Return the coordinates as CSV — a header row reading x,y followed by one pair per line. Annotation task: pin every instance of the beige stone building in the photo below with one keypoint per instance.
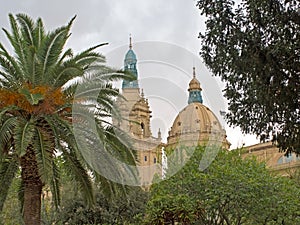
x,y
136,114
195,124
276,161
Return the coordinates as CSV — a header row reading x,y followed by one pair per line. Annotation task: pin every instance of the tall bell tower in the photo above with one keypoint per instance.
x,y
136,115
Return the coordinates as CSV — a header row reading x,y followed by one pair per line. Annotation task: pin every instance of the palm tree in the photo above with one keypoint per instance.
x,y
38,86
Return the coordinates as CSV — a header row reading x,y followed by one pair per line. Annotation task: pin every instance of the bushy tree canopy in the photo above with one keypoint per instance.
x,y
255,48
231,190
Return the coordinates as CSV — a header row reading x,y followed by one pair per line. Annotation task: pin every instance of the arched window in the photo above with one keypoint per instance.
x,y
142,127
292,157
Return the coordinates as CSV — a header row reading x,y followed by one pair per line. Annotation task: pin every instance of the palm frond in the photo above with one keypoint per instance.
x,y
44,148
79,175
7,79
8,170
21,196
10,64
100,95
39,33
120,145
16,39
69,148
55,186
23,135
112,190
89,90
62,131
99,154
107,95
103,73
64,73
6,131
67,53
26,28
88,57
51,48
76,66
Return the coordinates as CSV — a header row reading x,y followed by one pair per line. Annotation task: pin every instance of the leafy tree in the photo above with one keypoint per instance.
x,y
230,191
255,48
119,209
38,83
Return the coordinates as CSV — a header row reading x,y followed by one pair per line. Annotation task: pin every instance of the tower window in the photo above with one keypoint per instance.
x,y
142,127
154,160
145,158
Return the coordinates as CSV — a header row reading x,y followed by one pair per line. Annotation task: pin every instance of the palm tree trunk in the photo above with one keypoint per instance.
x,y
32,189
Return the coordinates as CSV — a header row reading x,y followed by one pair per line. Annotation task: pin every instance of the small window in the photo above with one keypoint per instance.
x,y
154,160
142,128
145,158
179,123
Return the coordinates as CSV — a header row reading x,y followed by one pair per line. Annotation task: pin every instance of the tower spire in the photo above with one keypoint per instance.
x,y
130,42
194,72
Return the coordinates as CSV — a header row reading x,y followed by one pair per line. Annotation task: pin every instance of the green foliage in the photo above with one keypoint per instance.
x,y
11,213
8,170
230,191
254,47
120,209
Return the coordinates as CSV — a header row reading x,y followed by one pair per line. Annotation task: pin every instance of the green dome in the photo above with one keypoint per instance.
x,y
130,66
130,56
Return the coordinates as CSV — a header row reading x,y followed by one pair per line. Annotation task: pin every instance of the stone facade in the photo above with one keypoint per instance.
x,y
195,124
276,161
136,114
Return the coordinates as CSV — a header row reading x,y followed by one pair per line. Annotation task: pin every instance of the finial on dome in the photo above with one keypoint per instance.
x,y
194,83
194,72
194,89
130,42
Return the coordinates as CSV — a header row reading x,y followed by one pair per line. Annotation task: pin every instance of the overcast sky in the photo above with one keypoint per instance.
x,y
163,31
